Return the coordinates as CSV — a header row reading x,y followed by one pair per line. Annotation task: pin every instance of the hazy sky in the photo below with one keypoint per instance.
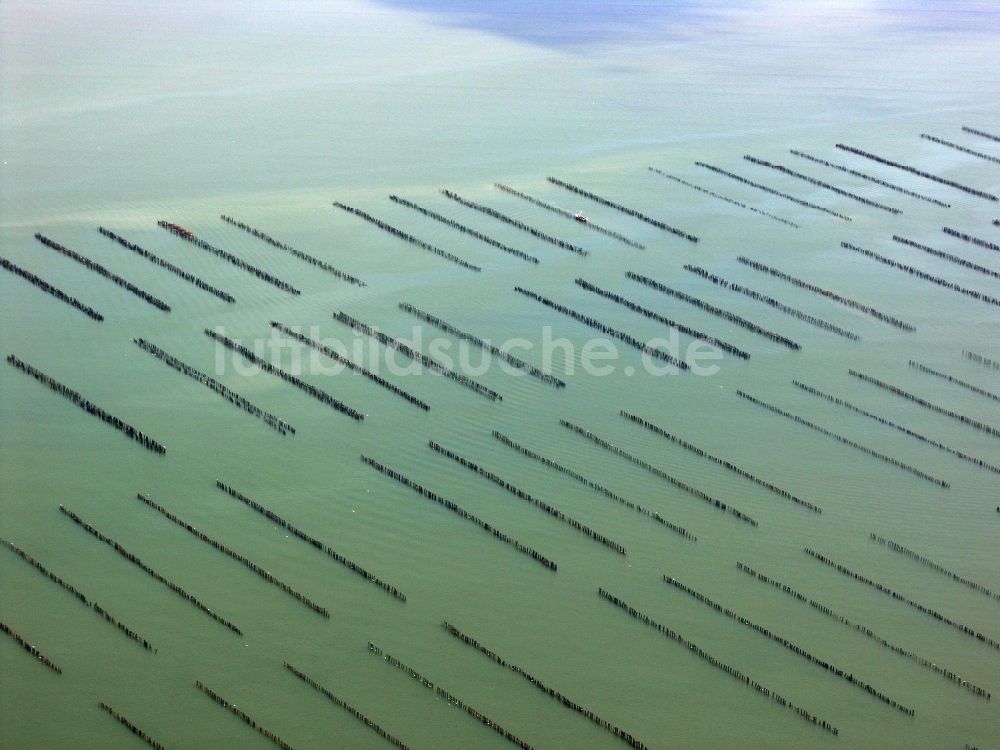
x,y
566,23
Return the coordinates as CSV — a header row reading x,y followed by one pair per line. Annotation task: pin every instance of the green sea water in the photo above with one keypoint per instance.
x,y
122,114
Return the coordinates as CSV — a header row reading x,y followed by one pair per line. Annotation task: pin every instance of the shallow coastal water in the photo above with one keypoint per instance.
x,y
124,114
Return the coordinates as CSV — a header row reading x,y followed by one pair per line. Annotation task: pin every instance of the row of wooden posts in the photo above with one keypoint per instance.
x,y
840,438
321,264
137,561
599,488
843,569
975,294
770,302
536,233
870,178
624,209
724,198
889,423
918,172
527,497
717,663
745,181
846,301
589,224
492,242
101,270
88,406
794,648
865,630
449,697
167,265
189,236
461,512
627,338
655,471
820,183
717,311
48,288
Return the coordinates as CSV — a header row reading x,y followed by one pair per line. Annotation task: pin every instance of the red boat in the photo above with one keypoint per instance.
x,y
180,230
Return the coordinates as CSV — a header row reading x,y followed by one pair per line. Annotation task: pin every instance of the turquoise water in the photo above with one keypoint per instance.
x,y
123,114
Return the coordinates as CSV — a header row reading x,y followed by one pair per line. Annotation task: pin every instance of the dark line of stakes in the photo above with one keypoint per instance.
x,y
321,546
718,664
889,423
135,560
621,734
569,215
819,183
717,311
772,191
870,178
297,253
963,149
652,315
846,301
449,697
242,559
347,707
918,172
78,595
624,209
522,495
952,379
464,229
732,201
30,648
130,726
343,360
460,512
979,359
947,256
906,552
840,438
973,240
866,631
88,406
694,491
771,302
48,288
605,329
302,385
407,237
483,344
981,133
657,430
794,648
900,598
247,719
103,271
418,357
594,486
165,264
537,233
922,274
189,236
982,426
214,385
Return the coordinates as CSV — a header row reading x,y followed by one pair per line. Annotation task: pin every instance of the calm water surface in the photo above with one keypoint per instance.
x,y
121,114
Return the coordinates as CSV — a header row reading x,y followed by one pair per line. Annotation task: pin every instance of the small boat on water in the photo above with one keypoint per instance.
x,y
178,229
581,217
